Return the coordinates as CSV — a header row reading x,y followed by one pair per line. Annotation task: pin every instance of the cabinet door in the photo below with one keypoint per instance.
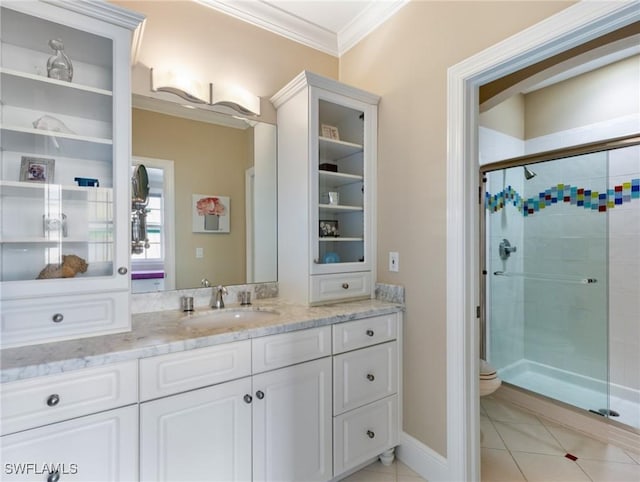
x,y
292,423
203,435
65,193
101,447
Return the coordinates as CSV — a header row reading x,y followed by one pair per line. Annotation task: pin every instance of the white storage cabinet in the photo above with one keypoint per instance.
x,y
81,425
235,426
54,131
327,140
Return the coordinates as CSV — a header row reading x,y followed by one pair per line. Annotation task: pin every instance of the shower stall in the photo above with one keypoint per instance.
x,y
561,276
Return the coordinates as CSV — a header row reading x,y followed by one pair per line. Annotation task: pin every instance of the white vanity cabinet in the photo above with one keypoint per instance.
x,y
327,141
257,410
292,436
366,387
81,425
64,179
200,430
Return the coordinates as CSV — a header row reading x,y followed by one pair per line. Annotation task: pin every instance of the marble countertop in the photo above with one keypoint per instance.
x,y
163,332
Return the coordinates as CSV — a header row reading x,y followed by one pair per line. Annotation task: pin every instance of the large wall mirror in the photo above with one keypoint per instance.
x,y
212,211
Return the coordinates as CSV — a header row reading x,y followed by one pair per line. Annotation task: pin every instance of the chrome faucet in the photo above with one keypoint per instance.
x,y
218,291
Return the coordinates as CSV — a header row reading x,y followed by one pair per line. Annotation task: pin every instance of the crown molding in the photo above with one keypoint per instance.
x,y
366,22
102,10
280,22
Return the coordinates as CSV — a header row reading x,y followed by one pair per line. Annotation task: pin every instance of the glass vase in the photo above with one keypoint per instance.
x,y
59,65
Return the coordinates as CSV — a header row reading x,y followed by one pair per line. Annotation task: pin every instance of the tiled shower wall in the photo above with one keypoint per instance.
x,y
565,320
624,275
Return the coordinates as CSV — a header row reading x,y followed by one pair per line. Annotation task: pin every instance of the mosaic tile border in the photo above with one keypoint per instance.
x,y
577,196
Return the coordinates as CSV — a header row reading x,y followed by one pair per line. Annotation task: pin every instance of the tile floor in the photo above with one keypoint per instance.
x,y
518,446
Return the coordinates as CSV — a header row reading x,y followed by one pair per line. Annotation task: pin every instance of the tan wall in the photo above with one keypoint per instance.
x,y
584,100
405,61
506,117
215,47
208,159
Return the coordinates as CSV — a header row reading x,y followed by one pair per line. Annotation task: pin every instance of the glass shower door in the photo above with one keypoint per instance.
x,y
547,277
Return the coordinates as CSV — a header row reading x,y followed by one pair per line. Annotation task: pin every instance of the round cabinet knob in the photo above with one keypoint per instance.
x,y
248,398
370,434
123,270
53,400
260,394
57,318
345,286
370,333
370,377
54,476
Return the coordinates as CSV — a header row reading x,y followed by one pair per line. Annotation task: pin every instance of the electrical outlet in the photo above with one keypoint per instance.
x,y
394,261
199,253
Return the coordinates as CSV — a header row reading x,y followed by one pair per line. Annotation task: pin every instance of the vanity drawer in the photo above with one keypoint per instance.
x,y
57,318
363,376
44,400
364,433
178,372
360,333
275,351
331,287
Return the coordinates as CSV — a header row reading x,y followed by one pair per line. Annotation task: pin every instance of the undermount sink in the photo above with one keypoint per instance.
x,y
228,317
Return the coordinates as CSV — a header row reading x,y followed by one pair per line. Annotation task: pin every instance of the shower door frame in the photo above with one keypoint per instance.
x,y
526,160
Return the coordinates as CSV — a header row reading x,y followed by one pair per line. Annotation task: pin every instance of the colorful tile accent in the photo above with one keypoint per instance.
x,y
565,193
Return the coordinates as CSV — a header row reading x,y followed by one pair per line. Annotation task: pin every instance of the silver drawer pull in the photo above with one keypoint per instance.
x,y
370,333
53,400
370,434
248,398
122,270
54,476
370,377
260,394
57,318
345,286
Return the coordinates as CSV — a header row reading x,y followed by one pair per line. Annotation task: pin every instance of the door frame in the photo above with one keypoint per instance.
x,y
573,26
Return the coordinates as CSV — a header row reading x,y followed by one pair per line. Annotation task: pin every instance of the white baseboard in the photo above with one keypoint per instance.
x,y
429,464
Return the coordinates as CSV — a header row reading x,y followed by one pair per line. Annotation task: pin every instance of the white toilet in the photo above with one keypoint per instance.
x,y
489,381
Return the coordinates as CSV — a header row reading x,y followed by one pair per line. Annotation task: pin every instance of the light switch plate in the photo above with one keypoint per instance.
x,y
394,261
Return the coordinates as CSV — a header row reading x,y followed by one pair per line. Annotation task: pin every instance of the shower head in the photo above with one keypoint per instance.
x,y
528,174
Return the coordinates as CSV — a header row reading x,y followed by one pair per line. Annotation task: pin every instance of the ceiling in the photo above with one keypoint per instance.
x,y
331,26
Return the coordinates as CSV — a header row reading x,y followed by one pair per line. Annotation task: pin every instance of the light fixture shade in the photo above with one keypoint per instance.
x,y
236,98
180,85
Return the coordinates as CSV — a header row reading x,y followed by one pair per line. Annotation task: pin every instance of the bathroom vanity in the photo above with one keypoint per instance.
x,y
308,393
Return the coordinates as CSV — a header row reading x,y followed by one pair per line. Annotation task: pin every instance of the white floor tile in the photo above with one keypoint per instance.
x,y
370,476
378,466
490,438
601,471
528,438
403,469
499,466
635,456
505,412
584,447
549,468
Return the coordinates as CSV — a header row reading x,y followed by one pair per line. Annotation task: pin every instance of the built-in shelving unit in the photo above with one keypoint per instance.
x,y
334,217
55,132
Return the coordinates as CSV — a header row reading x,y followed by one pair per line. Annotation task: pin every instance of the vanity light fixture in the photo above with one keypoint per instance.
x,y
180,85
236,98
230,96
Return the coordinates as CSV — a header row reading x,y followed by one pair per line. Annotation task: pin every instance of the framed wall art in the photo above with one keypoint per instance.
x,y
37,169
210,213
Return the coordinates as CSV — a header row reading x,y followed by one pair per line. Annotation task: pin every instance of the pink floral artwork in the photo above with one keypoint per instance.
x,y
210,205
210,213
